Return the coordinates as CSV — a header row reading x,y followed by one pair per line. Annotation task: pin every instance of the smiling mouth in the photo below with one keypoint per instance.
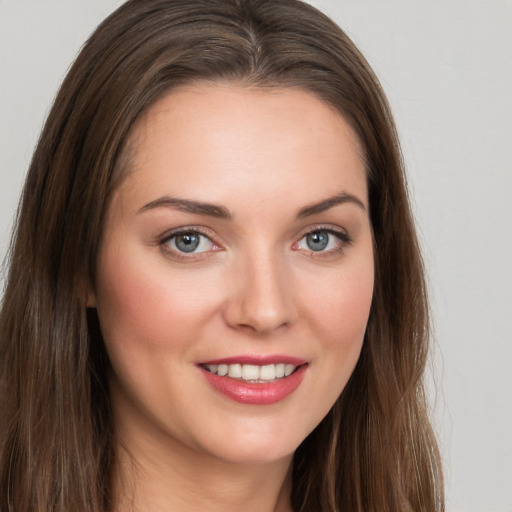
x,y
252,373
255,380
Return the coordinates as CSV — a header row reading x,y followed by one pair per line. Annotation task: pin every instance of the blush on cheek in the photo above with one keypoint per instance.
x,y
346,303
149,305
126,300
342,326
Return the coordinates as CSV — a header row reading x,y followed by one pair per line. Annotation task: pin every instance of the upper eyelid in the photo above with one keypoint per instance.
x,y
330,228
176,254
163,243
185,229
336,230
344,241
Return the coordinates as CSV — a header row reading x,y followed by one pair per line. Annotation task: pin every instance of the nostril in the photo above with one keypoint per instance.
x,y
259,315
260,300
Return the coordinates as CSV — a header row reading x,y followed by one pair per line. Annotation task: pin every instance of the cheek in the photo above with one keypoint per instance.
x,y
128,301
336,310
144,306
340,317
355,293
341,305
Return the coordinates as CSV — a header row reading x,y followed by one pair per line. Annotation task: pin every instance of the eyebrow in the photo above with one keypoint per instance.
x,y
189,206
220,212
330,202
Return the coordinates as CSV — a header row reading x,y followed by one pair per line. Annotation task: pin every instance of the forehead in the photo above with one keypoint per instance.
x,y
226,139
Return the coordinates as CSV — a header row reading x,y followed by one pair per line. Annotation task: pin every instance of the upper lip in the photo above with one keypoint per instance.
x,y
257,360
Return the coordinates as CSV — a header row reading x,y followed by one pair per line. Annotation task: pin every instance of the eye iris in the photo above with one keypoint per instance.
x,y
187,242
317,241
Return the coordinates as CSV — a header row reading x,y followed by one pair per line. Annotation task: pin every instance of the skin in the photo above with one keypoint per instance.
x,y
254,287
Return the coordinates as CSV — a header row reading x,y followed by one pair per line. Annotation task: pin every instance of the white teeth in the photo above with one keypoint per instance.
x,y
268,372
222,370
235,371
213,367
251,372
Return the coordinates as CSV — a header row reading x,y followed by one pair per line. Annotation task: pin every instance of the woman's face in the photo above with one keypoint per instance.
x,y
238,242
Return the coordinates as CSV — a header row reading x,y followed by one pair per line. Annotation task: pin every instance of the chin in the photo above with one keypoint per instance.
x,y
257,443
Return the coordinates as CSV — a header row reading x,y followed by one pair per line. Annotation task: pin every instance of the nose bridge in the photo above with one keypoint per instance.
x,y
263,298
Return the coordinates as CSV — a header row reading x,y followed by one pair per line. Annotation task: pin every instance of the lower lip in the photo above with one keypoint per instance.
x,y
254,393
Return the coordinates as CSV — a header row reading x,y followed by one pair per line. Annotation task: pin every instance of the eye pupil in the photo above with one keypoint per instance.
x,y
188,242
317,241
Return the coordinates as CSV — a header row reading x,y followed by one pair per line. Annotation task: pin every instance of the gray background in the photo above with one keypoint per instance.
x,y
447,69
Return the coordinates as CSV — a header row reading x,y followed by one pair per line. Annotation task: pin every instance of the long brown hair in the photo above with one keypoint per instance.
x,y
375,450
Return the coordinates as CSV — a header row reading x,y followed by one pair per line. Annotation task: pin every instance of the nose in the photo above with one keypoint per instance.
x,y
261,299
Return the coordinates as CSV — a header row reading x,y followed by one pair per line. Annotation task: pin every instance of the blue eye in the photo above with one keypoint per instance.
x,y
317,241
323,240
189,242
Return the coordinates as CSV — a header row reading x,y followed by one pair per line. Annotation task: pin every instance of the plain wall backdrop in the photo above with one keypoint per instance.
x,y
447,69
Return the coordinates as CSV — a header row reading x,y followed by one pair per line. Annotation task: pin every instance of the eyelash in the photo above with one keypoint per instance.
x,y
341,235
193,230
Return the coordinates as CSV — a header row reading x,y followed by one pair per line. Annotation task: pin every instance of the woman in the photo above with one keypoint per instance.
x,y
216,298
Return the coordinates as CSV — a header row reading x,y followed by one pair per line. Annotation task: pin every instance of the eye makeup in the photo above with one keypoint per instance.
x,y
193,243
